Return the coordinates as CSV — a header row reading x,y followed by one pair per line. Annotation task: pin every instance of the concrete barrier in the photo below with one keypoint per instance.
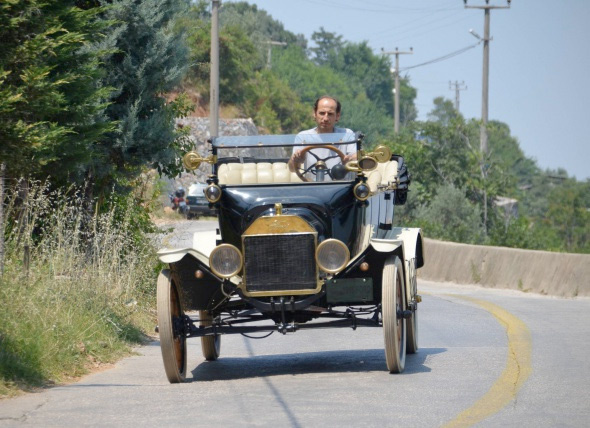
x,y
544,272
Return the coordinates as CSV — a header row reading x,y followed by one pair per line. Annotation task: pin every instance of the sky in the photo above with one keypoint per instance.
x,y
539,61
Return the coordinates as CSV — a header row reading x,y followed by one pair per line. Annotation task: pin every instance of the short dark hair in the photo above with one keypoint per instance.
x,y
317,102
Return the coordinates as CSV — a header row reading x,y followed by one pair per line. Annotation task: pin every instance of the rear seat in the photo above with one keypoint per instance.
x,y
388,172
384,174
254,173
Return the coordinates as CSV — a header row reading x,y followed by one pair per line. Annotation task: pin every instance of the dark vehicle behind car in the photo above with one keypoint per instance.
x,y
197,203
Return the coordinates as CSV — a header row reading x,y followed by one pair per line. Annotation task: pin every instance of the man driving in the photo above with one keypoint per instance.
x,y
326,113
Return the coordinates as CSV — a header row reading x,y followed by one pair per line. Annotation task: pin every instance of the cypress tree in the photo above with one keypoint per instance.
x,y
52,98
149,62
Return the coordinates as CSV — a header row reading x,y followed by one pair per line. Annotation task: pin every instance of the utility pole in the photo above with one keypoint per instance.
x,y
486,69
214,72
397,53
458,88
483,130
270,44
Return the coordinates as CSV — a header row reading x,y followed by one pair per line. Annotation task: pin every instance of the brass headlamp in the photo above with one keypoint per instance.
x,y
368,161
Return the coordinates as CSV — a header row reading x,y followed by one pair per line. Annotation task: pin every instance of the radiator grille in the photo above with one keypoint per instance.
x,y
280,262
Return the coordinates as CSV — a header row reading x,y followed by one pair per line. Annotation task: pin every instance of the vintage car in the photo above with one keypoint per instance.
x,y
304,249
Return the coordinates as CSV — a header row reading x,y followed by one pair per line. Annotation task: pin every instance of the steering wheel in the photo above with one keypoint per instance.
x,y
319,167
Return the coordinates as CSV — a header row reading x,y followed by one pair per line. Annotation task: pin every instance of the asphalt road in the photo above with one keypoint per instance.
x,y
487,357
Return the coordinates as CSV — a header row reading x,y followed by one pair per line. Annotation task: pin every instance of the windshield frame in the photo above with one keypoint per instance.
x,y
251,141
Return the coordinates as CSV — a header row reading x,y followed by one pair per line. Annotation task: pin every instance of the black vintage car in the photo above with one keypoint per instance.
x,y
312,248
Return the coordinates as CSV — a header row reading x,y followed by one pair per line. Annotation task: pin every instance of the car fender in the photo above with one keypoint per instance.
x,y
203,244
410,241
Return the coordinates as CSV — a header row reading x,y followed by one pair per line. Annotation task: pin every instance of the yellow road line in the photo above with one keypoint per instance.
x,y
517,370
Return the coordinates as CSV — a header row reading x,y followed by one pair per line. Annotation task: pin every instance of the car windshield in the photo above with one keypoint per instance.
x,y
263,159
284,140
196,189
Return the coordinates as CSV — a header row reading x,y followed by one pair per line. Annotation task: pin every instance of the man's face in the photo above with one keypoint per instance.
x,y
326,116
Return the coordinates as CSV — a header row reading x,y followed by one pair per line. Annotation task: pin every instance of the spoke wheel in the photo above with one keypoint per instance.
x,y
412,323
412,326
392,304
300,171
210,345
172,344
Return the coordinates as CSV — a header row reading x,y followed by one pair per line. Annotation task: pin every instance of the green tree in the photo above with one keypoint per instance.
x,y
569,215
52,95
452,217
367,73
443,112
150,61
327,46
238,61
260,28
275,106
407,96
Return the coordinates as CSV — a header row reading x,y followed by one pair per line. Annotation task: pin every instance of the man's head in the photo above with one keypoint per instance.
x,y
326,112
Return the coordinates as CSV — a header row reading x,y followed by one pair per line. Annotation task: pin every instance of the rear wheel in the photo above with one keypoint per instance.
x,y
210,345
172,341
393,307
412,323
412,344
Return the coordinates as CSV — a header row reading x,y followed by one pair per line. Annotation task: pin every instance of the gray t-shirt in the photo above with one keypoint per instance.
x,y
323,153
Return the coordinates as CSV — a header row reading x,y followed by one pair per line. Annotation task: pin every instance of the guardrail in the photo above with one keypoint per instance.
x,y
544,272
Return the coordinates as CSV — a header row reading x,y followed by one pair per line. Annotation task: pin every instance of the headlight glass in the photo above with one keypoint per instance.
x,y
225,260
213,193
332,255
362,191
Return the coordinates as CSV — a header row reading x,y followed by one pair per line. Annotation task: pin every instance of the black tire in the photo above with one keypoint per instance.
x,y
210,345
173,346
392,304
412,327
412,323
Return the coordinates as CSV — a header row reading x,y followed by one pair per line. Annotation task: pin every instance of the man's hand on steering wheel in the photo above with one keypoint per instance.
x,y
320,165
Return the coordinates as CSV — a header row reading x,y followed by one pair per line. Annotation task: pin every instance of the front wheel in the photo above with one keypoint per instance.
x,y
172,341
393,307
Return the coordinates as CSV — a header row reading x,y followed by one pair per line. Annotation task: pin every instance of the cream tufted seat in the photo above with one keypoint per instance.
x,y
374,180
256,173
388,172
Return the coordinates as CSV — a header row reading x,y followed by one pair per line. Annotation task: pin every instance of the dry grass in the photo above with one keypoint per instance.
x,y
77,287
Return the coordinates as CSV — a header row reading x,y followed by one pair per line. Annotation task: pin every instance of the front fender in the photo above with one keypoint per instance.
x,y
412,247
198,292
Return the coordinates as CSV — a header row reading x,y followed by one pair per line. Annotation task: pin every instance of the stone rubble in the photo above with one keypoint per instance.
x,y
199,134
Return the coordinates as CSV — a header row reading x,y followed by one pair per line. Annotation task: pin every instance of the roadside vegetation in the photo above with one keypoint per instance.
x,y
89,94
77,287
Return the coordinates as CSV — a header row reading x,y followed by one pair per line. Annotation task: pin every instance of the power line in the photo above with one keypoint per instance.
x,y
442,58
415,35
364,9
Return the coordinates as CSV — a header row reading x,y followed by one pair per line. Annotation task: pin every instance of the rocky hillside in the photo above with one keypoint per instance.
x,y
199,134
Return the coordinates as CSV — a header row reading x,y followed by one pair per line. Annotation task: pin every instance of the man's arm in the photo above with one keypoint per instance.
x,y
296,159
349,157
